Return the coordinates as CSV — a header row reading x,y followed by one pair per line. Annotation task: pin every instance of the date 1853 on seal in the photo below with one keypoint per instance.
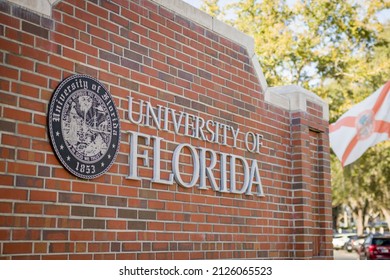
x,y
84,126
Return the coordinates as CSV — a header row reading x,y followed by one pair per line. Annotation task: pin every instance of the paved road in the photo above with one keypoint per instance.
x,y
345,255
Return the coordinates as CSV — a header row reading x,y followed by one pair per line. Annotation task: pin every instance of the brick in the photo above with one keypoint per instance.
x,y
82,211
57,185
110,6
40,247
65,7
5,234
61,247
22,168
74,22
116,224
5,7
33,79
81,235
57,210
94,199
8,126
127,213
10,73
85,16
86,48
25,90
61,40
96,10
8,98
32,131
98,32
34,53
70,198
69,223
147,215
22,234
19,115
131,246
106,212
59,173
28,208
136,225
32,105
44,171
20,62
124,22
12,221
14,194
55,235
42,222
55,257
108,77
6,207
94,224
65,31
17,248
47,23
35,29
106,189
130,64
83,69
102,44
61,62
48,71
4,85
83,187
74,55
117,201
109,56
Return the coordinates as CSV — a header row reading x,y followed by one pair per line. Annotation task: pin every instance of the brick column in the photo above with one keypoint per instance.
x,y
310,171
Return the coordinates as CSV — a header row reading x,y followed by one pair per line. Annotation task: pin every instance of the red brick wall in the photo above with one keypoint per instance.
x,y
141,49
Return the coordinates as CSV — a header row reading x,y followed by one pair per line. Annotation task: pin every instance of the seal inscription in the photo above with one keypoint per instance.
x,y
84,126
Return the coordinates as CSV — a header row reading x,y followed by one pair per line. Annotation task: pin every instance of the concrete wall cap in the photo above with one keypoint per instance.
x,y
43,7
297,98
295,89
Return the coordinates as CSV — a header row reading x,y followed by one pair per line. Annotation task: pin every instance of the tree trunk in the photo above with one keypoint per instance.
x,y
359,211
358,216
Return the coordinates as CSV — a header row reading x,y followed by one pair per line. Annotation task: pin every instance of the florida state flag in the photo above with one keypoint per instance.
x,y
363,126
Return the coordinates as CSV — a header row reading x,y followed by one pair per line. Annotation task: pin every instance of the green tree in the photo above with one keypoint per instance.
x,y
268,22
310,41
376,167
364,185
211,7
368,178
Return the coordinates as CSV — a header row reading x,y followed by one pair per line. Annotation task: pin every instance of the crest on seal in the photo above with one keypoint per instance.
x,y
84,126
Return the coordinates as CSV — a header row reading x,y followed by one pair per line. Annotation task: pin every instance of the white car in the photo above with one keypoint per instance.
x,y
339,240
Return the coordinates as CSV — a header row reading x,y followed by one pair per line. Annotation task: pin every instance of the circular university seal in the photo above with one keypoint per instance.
x,y
84,126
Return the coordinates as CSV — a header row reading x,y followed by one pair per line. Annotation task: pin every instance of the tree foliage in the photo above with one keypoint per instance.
x,y
309,41
211,7
369,177
337,49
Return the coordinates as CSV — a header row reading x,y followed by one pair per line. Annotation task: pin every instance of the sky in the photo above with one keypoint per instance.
x,y
383,16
